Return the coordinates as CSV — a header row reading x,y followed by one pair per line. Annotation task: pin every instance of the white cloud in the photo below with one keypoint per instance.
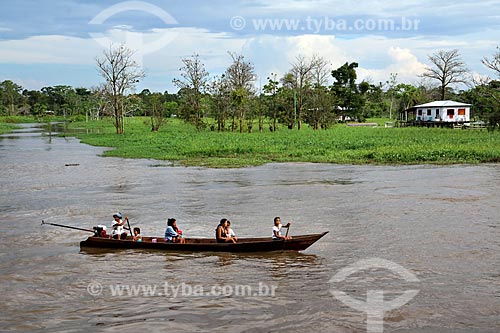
x,y
377,56
48,50
402,62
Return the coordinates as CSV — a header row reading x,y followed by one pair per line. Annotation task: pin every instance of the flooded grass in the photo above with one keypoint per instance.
x,y
177,141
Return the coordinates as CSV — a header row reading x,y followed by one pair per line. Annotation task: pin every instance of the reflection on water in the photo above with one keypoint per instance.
x,y
440,222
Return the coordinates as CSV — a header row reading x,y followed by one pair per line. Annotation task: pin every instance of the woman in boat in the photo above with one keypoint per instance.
x,y
277,229
172,234
119,227
221,232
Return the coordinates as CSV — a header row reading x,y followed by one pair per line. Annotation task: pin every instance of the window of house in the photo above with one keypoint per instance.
x,y
450,113
419,112
429,112
437,113
461,112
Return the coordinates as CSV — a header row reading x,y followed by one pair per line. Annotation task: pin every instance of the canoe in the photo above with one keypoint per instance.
x,y
263,244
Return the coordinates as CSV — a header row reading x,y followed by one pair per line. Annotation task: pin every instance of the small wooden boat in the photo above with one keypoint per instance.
x,y
263,244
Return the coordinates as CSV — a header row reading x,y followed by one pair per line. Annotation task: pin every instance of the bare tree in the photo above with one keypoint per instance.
x,y
240,76
321,100
494,63
121,73
448,69
320,72
391,84
192,88
100,101
300,77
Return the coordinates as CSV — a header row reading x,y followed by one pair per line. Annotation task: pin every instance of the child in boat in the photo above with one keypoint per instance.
x,y
230,231
221,232
119,227
171,234
137,234
277,229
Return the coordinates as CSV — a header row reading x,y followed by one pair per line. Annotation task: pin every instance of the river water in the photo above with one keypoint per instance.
x,y
431,229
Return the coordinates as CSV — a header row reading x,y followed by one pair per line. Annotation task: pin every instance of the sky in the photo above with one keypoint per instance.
x,y
56,42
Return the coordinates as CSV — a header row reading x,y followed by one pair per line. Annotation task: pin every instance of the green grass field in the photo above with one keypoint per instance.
x,y
7,124
181,143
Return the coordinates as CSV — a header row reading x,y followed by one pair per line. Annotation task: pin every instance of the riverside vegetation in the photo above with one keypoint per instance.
x,y
183,144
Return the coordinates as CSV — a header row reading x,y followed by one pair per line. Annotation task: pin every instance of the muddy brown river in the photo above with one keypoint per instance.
x,y
409,249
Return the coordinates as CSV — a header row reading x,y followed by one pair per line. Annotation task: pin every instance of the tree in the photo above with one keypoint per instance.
x,y
271,90
346,91
448,68
193,86
156,108
220,100
10,96
240,77
300,78
36,101
407,95
320,112
392,83
486,94
374,102
494,63
121,73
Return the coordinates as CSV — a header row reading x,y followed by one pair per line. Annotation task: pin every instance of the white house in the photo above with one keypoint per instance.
x,y
446,111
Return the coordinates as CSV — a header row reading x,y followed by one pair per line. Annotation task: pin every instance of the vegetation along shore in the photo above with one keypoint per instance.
x,y
183,144
228,120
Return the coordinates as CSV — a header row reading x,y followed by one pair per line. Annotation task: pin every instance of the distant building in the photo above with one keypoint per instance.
x,y
441,111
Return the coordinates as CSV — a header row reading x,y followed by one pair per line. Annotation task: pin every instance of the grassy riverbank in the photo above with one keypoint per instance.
x,y
181,143
8,124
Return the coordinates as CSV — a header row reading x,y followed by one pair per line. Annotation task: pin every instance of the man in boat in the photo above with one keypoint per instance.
x,y
277,229
119,227
221,232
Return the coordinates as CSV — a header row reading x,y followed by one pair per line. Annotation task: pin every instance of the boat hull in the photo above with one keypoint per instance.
x,y
297,243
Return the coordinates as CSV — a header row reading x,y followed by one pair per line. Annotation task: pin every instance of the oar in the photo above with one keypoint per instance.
x,y
129,228
287,229
66,226
286,235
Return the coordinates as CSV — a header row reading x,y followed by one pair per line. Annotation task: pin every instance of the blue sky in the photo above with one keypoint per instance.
x,y
46,43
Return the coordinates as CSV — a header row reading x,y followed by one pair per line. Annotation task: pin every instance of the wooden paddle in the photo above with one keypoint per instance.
x,y
286,235
129,228
287,229
67,226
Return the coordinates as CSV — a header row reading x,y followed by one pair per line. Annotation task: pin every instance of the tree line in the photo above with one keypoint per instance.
x,y
311,92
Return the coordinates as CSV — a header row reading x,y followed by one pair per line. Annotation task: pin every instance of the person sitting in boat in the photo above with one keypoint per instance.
x,y
172,232
137,234
221,232
119,227
230,231
277,229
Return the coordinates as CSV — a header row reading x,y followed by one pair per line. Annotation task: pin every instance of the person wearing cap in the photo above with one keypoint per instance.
x,y
119,227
